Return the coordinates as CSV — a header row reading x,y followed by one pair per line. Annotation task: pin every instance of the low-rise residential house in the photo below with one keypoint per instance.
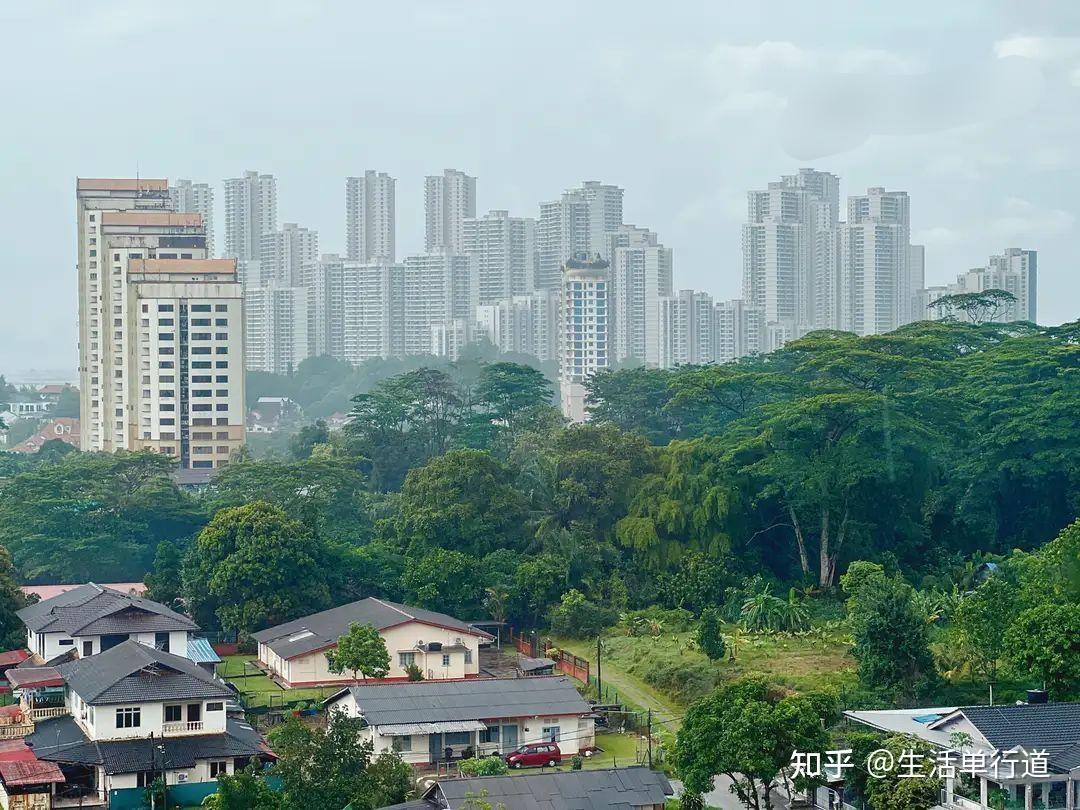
x,y
62,428
91,618
132,714
1021,755
425,720
634,788
440,646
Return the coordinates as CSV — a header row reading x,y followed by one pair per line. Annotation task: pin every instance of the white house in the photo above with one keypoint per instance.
x,y
1027,753
421,720
92,618
132,714
442,647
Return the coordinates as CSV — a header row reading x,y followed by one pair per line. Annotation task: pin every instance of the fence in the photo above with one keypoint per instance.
x,y
534,646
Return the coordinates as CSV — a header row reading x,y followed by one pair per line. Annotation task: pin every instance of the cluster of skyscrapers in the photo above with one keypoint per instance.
x,y
575,286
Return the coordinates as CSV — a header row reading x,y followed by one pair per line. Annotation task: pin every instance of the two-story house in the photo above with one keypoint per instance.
x,y
440,646
92,618
134,714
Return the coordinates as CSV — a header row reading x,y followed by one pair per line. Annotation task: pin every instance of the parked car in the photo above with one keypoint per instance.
x,y
535,755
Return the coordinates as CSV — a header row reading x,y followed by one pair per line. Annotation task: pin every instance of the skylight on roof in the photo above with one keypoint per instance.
x,y
300,635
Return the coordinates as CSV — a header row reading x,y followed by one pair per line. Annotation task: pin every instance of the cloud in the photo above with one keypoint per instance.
x,y
1043,49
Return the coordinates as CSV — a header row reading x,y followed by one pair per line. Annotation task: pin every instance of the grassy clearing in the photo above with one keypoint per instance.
x,y
667,673
259,690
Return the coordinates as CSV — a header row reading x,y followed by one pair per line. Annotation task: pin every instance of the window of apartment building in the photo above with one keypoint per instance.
x,y
93,217
167,420
203,465
222,392
165,308
168,437
165,321
222,378
201,378
221,350
165,335
221,322
165,364
221,364
223,420
201,364
202,392
200,307
201,407
221,336
146,392
129,717
222,406
223,449
202,436
166,393
174,714
221,307
222,434
200,335
202,422
200,350
202,450
167,406
167,378
168,450
200,321
165,350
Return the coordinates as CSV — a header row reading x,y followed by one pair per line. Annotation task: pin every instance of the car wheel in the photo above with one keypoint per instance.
x,y
551,763
517,764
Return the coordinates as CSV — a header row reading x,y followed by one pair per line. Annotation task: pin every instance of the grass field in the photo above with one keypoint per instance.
x,y
258,689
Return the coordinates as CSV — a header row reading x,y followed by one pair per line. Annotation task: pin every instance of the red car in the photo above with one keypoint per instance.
x,y
535,755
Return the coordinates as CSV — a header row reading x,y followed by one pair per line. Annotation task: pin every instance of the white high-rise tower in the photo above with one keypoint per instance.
x,y
370,217
187,197
449,200
250,211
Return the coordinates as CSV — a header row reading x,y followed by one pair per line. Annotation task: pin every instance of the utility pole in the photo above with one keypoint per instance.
x,y
649,732
599,682
153,797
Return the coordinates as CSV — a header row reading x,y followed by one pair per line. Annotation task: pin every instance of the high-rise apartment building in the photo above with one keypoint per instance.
x,y
438,287
250,212
449,338
370,217
186,197
686,329
781,247
578,223
1015,271
740,330
524,324
449,200
640,274
283,255
276,324
875,283
104,387
504,251
185,359
584,331
373,313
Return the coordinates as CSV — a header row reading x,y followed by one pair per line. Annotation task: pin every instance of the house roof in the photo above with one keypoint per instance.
x,y
131,673
476,699
1065,760
1049,726
11,657
560,790
61,740
91,610
201,651
34,677
322,630
30,772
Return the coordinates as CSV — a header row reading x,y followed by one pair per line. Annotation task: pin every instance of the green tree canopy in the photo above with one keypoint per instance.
x,y
361,650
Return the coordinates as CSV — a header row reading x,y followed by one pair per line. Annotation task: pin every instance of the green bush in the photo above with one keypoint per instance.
x,y
484,766
577,617
709,636
653,621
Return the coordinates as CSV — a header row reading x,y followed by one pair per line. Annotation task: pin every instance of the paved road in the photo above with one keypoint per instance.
x,y
722,797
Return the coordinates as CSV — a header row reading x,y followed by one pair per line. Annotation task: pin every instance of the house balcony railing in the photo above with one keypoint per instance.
x,y
183,727
13,731
44,712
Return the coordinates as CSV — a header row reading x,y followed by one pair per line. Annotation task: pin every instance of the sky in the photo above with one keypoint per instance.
x,y
971,107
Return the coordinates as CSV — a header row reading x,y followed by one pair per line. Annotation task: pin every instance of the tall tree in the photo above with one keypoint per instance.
x,y
446,580
361,650
747,732
983,617
253,566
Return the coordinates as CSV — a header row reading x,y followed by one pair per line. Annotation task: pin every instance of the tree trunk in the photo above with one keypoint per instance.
x,y
826,568
800,541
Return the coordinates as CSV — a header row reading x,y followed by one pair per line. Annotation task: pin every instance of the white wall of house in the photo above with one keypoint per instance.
x,y
50,645
102,722
400,643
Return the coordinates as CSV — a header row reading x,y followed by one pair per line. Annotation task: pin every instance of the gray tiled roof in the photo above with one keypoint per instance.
x,y
560,790
1049,726
131,672
92,610
327,627
475,699
61,740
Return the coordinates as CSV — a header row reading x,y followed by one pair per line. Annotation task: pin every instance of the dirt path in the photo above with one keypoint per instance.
x,y
666,714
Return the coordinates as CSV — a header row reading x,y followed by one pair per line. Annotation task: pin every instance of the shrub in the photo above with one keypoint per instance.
x,y
484,766
576,762
654,621
709,637
414,673
577,617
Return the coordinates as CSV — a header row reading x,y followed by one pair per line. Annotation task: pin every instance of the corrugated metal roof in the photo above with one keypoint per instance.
x,y
201,651
407,729
599,789
476,699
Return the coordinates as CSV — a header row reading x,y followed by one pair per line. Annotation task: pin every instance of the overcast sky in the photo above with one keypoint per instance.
x,y
971,107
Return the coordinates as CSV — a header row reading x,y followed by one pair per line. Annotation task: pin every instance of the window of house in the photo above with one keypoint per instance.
x,y
174,714
468,656
446,660
402,743
65,642
129,717
216,706
490,735
87,649
218,767
161,640
406,659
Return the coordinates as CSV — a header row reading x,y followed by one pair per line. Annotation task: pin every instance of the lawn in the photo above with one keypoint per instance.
x,y
259,690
